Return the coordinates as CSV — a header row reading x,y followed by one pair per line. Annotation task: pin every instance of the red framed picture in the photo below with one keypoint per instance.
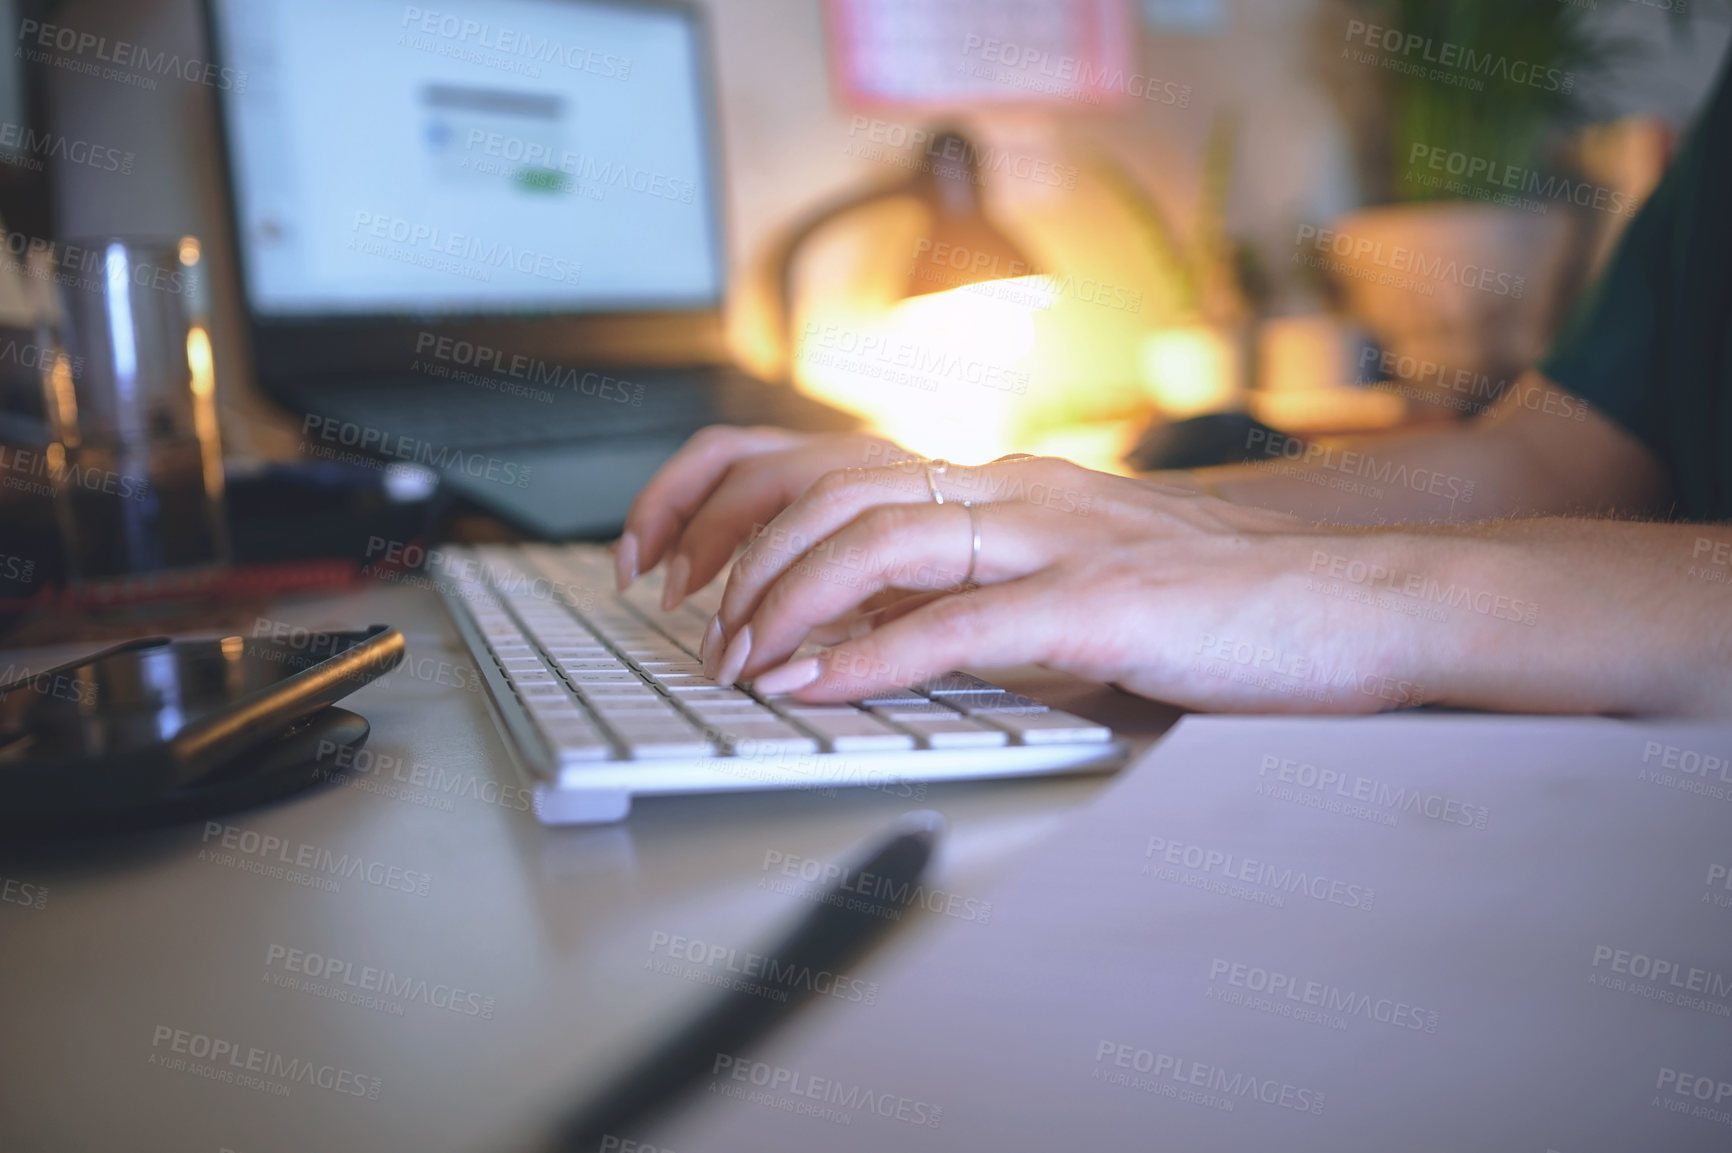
x,y
930,54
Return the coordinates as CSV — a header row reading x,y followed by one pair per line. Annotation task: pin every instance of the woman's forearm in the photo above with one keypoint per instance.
x,y
1540,452
1459,474
1556,615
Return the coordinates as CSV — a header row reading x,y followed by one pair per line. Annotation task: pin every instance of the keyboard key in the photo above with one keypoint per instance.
x,y
600,677
856,733
959,733
643,742
553,692
703,690
636,720
890,697
669,680
567,712
974,704
548,708
1050,728
958,683
917,710
579,746
756,738
637,724
608,698
619,692
719,698
646,701
614,714
731,712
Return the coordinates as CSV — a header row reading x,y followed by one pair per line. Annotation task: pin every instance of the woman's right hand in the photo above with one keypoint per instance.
x,y
722,484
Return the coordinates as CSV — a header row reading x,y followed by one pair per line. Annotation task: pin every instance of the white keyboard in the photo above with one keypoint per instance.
x,y
601,697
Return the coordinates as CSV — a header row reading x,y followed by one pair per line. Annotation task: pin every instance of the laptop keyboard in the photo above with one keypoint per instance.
x,y
474,417
605,678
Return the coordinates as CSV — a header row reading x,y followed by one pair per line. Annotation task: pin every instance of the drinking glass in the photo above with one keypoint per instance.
x,y
135,456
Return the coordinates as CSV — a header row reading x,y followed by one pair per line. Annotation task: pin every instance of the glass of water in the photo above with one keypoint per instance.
x,y
130,392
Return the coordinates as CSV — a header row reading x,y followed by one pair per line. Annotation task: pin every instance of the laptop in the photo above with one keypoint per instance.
x,y
485,238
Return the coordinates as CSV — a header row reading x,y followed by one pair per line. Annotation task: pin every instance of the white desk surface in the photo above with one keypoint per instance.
x,y
1417,933
142,954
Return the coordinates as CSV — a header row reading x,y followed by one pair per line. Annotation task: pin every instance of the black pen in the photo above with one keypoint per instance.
x,y
862,903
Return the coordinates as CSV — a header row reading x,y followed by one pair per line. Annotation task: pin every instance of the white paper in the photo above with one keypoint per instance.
x,y
1400,933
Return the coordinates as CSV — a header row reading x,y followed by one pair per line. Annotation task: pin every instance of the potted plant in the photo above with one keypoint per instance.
x,y
1457,109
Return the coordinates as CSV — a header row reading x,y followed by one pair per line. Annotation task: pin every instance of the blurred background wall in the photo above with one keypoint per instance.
x,y
789,144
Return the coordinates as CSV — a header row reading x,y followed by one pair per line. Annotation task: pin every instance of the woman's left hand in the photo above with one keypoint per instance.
x,y
1166,592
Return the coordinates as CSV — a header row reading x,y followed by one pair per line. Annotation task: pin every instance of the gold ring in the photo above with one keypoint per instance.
x,y
933,471
974,532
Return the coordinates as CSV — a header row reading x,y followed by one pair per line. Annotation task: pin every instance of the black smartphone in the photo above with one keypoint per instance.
x,y
154,718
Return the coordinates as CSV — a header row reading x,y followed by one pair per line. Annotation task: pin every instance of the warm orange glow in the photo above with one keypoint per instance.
x,y
204,413
65,400
1306,365
1100,445
1191,370
945,374
1340,409
198,358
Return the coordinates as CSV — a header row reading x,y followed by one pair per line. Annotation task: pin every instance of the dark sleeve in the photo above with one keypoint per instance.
x,y
1645,344
1604,351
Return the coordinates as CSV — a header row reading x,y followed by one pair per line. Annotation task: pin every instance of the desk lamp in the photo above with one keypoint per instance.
x,y
965,246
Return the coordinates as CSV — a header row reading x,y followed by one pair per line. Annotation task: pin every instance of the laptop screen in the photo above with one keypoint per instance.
x,y
468,157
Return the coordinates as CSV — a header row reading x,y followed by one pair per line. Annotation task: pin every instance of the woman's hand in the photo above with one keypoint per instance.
x,y
1166,592
722,485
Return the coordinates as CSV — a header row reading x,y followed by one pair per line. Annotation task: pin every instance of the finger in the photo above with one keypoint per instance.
x,y
918,548
831,502
679,487
1049,483
750,493
892,610
873,612
1019,622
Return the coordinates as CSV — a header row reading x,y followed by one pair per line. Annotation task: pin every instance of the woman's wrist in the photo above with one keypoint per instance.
x,y
1478,618
1376,588
1184,479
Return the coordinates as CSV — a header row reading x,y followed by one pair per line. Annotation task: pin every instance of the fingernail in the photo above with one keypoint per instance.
x,y
708,652
674,588
625,561
735,658
790,677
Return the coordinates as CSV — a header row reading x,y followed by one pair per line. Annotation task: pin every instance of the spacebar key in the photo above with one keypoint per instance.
x,y
661,741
